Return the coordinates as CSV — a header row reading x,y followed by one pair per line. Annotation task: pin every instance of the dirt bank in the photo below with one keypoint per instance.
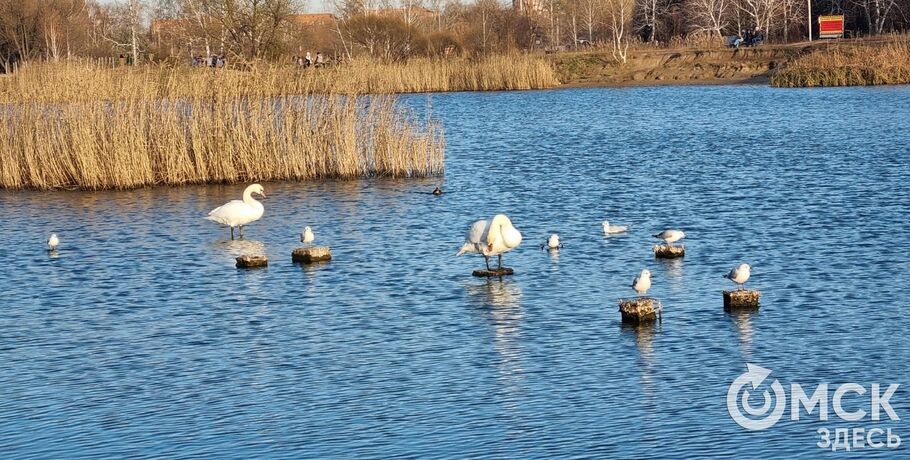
x,y
659,66
681,66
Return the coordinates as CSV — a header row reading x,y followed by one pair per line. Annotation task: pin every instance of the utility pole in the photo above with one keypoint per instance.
x,y
810,19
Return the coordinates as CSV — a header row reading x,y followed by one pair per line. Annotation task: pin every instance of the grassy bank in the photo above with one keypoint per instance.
x,y
850,64
72,126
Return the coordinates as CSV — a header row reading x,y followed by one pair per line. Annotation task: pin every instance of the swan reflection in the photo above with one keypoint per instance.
x,y
499,302
237,248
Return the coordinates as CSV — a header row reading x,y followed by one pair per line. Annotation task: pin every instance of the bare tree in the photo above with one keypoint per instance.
x,y
619,13
708,15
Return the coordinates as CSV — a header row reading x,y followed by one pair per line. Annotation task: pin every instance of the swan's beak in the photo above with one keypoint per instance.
x,y
263,194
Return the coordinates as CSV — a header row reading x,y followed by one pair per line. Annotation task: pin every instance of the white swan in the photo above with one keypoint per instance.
x,y
642,282
740,275
491,238
670,236
614,229
238,213
53,242
307,236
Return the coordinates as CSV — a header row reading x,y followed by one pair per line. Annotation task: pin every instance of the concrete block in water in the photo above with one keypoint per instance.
x,y
640,310
252,261
662,251
741,298
496,272
311,254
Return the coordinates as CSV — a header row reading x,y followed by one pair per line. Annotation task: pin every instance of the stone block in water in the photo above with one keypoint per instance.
x,y
640,310
311,255
663,251
252,261
741,298
496,272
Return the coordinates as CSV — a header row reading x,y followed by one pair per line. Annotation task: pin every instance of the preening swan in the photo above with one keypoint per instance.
x,y
670,236
238,213
740,275
307,236
491,238
53,242
614,229
642,282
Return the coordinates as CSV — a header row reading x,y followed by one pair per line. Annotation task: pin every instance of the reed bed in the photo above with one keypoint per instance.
x,y
77,126
83,82
850,65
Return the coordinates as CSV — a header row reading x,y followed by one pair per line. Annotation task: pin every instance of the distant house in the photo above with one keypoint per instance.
x,y
313,19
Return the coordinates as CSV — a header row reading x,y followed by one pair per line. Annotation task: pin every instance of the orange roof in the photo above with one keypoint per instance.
x,y
312,19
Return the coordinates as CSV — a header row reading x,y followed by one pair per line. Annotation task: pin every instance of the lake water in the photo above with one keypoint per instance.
x,y
140,338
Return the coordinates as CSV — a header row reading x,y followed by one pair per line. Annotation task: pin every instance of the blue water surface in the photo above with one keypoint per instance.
x,y
139,337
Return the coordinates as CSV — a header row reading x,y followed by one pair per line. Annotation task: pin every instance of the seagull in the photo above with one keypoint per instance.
x,y
552,243
307,236
614,229
740,275
53,242
642,282
238,213
670,236
491,238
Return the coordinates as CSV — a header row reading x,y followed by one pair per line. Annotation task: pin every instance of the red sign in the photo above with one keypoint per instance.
x,y
831,26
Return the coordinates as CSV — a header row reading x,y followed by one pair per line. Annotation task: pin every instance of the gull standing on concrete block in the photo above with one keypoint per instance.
x,y
307,236
642,282
670,236
740,275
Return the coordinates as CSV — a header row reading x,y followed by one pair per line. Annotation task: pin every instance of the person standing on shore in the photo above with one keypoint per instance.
x,y
308,60
320,61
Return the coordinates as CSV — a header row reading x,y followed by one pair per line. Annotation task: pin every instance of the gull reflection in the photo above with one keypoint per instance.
x,y
673,269
742,321
499,302
644,341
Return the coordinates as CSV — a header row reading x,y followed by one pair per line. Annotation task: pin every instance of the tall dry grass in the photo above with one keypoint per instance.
x,y
77,126
81,82
857,64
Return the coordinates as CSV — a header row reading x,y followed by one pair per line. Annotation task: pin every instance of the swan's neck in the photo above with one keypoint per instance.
x,y
248,197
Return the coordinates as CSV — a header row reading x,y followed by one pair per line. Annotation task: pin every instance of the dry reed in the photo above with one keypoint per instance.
x,y
859,64
78,126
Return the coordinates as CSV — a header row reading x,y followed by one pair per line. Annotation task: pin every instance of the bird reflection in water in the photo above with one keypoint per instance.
x,y
742,321
237,248
673,270
644,341
499,302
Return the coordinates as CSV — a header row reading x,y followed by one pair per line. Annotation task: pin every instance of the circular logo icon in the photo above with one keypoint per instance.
x,y
763,416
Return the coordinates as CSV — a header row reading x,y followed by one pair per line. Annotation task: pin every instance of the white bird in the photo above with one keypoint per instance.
x,y
53,242
307,236
642,282
491,238
552,242
614,229
740,275
670,236
238,213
